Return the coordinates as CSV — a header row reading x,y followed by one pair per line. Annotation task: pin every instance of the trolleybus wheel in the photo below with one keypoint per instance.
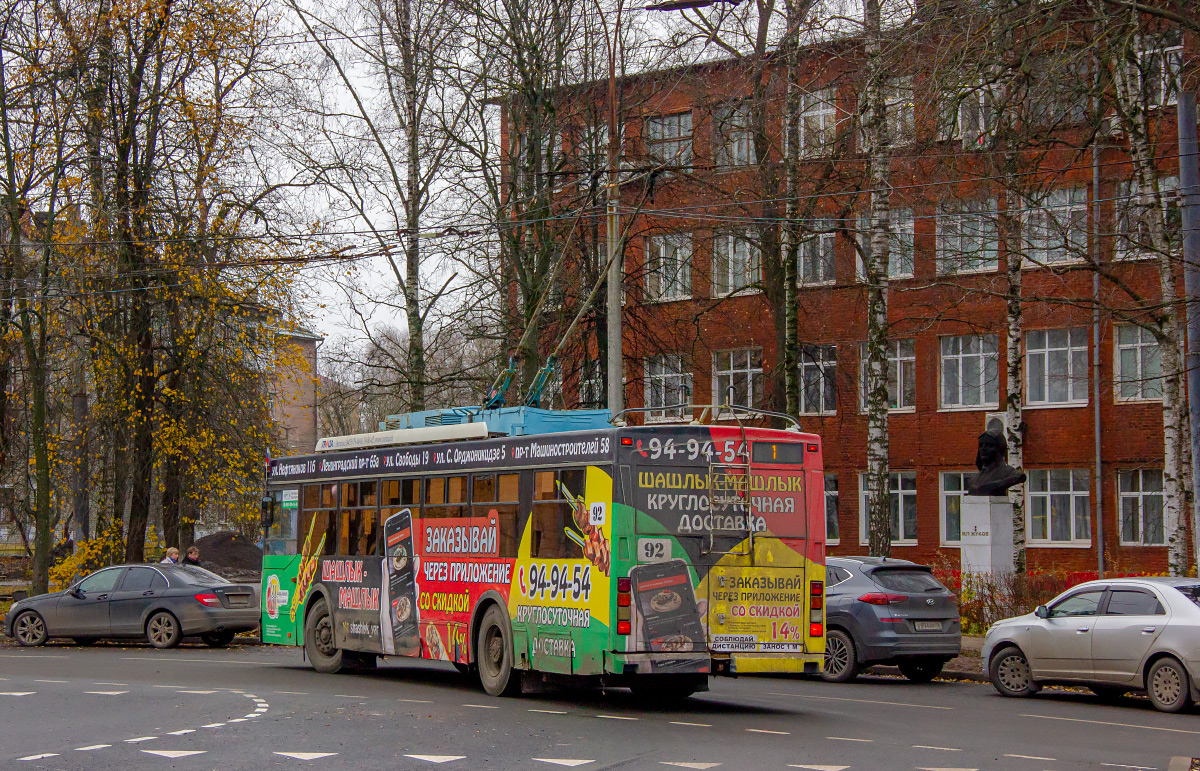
x,y
494,654
318,640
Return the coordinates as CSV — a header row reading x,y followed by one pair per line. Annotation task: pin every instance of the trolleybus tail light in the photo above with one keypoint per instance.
x,y
627,441
882,598
624,600
208,600
816,604
812,447
816,630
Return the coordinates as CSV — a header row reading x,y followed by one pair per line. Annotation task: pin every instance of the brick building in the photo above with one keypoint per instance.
x,y
699,318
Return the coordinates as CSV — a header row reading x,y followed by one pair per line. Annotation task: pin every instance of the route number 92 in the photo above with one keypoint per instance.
x,y
654,549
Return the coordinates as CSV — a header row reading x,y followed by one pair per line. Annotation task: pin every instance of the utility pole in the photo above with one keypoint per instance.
x,y
616,266
1189,204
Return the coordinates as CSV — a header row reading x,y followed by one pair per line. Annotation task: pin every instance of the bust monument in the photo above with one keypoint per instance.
x,y
995,475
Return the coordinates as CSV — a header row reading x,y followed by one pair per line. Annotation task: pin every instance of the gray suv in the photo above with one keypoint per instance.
x,y
887,611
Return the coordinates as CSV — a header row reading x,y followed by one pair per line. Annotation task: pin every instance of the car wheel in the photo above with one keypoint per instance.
x,y
494,652
921,670
1108,692
30,629
1011,675
841,658
217,639
84,642
1167,686
319,643
162,630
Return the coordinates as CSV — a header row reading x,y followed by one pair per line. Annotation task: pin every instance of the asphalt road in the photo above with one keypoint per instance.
x,y
262,707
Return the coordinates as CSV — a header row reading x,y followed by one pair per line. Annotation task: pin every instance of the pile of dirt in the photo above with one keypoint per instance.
x,y
229,552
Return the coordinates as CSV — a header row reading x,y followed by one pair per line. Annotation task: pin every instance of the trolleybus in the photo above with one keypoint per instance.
x,y
651,557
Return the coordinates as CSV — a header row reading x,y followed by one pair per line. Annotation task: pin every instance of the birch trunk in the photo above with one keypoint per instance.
x,y
875,268
1015,391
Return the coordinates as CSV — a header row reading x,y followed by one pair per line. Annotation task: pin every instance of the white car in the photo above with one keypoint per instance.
x,y
1113,636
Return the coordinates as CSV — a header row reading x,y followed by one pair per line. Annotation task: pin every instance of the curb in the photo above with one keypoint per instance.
x,y
947,675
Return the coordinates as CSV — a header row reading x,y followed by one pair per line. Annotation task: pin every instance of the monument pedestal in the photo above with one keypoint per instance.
x,y
987,534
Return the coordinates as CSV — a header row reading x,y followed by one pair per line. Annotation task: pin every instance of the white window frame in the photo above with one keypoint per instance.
x,y
678,280
1076,345
1054,229
971,122
726,273
944,496
817,254
1145,348
1138,497
1128,241
901,244
820,108
823,359
734,137
669,383
669,139
745,364
968,239
900,364
1079,490
832,495
1162,61
592,393
906,494
960,358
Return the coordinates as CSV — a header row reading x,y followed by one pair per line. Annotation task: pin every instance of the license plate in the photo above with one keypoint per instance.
x,y
928,626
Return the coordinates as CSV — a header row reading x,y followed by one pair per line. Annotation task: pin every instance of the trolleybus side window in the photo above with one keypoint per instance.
x,y
445,497
552,511
320,506
496,496
402,492
358,524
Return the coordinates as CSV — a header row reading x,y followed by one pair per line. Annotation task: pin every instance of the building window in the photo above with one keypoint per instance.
x,y
970,371
735,263
1055,227
1141,493
902,494
901,110
967,115
1056,364
734,136
1053,93
1139,368
591,152
967,240
1058,506
1135,218
667,384
954,487
592,391
816,254
832,530
818,379
1159,65
818,122
669,267
900,243
669,140
902,374
740,370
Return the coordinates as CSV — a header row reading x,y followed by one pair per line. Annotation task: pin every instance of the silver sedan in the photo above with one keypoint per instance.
x,y
1114,636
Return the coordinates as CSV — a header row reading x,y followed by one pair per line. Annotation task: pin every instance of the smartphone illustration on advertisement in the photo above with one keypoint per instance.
x,y
665,602
402,586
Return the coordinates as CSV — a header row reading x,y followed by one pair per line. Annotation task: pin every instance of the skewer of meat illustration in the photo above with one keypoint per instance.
x,y
593,543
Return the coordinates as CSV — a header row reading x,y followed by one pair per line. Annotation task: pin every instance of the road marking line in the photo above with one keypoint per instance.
x,y
35,656
820,768
294,693
108,693
140,739
49,681
412,701
91,747
697,725
237,720
192,661
615,717
348,696
175,753
1141,768
213,725
847,739
859,701
481,706
1028,757
307,755
436,758
1122,725
17,693
689,765
765,731
184,731
251,716
549,712
110,683
928,747
39,757
167,686
564,761
919,768
199,692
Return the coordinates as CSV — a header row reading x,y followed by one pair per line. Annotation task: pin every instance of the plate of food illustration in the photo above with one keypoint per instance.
x,y
666,601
